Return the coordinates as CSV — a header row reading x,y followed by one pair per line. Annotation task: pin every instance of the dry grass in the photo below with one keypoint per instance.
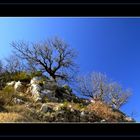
x,y
16,108
6,95
27,114
12,117
105,112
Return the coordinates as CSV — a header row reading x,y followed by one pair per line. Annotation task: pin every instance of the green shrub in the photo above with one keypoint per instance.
x,y
8,89
6,95
66,87
4,78
34,74
21,76
65,104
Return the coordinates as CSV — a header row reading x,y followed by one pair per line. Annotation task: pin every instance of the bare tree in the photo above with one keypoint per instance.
x,y
92,85
98,86
53,57
117,95
13,64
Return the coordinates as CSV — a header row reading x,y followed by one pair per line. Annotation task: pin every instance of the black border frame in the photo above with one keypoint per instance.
x,y
69,9
76,9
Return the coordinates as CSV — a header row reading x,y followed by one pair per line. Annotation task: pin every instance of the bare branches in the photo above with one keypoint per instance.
x,y
118,96
98,86
52,56
13,64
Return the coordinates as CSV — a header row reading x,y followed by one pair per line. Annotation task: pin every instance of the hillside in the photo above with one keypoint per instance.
x,y
43,100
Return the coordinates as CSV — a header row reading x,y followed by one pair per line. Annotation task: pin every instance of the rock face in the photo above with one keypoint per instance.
x,y
129,119
18,101
40,89
18,86
12,83
35,89
57,112
45,108
35,80
52,103
48,88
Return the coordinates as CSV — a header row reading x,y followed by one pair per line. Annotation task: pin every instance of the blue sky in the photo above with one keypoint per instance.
x,y
108,45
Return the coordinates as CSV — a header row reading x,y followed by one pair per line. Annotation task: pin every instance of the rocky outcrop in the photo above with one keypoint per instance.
x,y
40,89
18,101
12,83
18,86
48,88
45,108
129,119
61,104
58,112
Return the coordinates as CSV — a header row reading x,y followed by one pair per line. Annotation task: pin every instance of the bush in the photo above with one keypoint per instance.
x,y
103,111
34,74
4,78
66,87
21,76
6,95
15,117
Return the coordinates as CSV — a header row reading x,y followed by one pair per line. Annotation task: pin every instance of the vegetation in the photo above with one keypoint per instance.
x,y
53,60
6,95
52,56
99,87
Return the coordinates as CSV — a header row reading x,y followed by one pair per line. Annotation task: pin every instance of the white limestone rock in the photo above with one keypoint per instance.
x,y
18,86
129,119
103,120
44,108
35,80
18,101
12,83
37,97
46,90
92,101
35,88
82,114
70,106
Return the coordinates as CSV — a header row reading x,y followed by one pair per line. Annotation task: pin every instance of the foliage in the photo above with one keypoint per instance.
x,y
36,73
105,112
66,87
6,95
4,78
20,76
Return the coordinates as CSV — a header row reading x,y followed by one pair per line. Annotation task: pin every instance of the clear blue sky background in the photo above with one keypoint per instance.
x,y
108,45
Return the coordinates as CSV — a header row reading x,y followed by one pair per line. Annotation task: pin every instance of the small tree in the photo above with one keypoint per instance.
x,y
13,64
53,57
98,86
117,95
92,85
